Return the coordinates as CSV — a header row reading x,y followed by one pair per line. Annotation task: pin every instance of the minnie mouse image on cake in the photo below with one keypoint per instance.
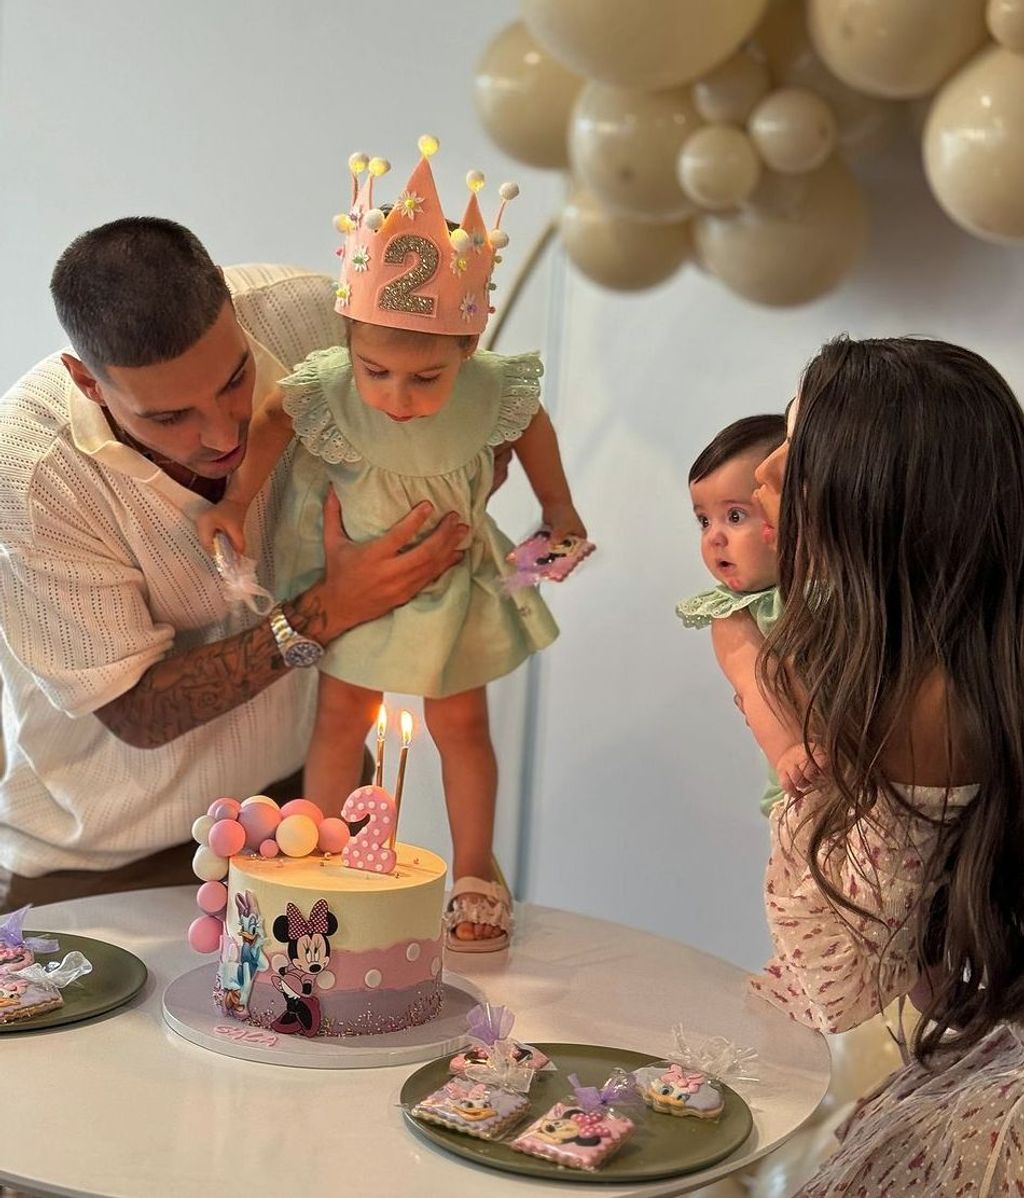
x,y
304,969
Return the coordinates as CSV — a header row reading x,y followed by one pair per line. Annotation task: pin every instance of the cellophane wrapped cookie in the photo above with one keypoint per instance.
x,y
687,1084
584,1130
538,559
473,1108
488,1023
36,989
487,1101
673,1090
16,949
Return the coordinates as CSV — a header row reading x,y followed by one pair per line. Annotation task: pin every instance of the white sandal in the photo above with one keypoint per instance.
x,y
474,900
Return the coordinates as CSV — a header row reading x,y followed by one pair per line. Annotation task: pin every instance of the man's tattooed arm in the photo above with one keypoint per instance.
x,y
185,691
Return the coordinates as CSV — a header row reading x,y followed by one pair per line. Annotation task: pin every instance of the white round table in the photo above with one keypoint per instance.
x,y
121,1106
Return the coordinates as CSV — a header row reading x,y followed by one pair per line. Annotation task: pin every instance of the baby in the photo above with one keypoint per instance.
x,y
738,548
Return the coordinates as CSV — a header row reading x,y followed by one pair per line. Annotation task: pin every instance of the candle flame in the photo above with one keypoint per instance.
x,y
406,722
382,722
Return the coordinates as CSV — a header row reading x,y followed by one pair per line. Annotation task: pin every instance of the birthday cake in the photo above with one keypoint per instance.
x,y
320,931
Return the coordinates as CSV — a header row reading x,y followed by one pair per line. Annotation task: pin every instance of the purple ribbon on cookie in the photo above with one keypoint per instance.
x,y
11,934
619,1090
488,1023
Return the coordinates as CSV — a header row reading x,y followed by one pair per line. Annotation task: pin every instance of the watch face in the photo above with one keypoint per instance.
x,y
302,652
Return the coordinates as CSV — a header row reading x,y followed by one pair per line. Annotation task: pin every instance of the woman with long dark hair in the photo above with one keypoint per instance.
x,y
898,501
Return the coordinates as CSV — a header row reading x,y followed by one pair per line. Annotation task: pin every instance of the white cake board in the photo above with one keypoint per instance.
x,y
189,1010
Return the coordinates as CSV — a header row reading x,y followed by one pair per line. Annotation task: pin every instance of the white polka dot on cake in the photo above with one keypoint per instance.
x,y
435,966
412,953
373,978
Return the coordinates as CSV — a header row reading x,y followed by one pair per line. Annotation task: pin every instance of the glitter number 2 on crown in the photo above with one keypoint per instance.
x,y
398,295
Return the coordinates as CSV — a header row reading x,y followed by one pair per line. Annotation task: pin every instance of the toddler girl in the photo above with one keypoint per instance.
x,y
409,410
738,548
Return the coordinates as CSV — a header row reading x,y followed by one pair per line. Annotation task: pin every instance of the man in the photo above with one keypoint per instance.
x,y
134,693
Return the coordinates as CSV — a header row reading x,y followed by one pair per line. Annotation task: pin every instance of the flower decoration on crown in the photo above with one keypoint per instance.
x,y
402,267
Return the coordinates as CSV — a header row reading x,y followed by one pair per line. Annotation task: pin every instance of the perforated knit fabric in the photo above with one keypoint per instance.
x,y
101,575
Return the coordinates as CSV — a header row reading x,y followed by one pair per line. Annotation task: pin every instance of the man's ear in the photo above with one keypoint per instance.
x,y
83,378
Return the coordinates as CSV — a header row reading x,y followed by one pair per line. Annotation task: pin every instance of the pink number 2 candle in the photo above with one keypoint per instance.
x,y
368,849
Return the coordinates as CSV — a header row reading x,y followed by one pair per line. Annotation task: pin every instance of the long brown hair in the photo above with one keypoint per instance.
x,y
901,557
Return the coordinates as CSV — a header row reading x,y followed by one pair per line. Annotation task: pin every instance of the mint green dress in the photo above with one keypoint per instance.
x,y
765,607
464,629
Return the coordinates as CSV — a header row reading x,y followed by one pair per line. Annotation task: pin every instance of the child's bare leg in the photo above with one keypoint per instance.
x,y
460,729
334,764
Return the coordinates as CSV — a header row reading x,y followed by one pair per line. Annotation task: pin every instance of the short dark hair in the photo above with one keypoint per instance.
x,y
752,432
136,292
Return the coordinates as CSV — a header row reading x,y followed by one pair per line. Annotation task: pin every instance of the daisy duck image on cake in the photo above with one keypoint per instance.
x,y
246,957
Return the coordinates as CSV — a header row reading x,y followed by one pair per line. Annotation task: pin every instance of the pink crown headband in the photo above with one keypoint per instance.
x,y
404,269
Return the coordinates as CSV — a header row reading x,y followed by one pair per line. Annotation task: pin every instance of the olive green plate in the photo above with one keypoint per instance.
x,y
661,1146
117,976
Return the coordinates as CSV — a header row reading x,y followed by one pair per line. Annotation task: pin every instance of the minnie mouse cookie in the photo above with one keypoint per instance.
x,y
21,998
673,1090
472,1108
578,1139
480,1054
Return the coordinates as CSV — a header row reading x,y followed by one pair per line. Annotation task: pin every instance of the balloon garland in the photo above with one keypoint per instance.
x,y
723,130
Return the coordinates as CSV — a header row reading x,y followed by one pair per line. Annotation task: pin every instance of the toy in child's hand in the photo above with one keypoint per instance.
x,y
537,560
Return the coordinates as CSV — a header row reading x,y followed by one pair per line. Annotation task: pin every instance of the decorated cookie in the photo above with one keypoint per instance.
x,y
578,1139
473,1108
488,1023
675,1090
538,559
480,1054
21,998
17,950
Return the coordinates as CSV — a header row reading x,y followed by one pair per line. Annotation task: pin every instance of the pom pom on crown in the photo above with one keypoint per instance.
x,y
401,267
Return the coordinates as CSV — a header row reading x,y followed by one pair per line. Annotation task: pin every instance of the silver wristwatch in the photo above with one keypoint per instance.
x,y
297,650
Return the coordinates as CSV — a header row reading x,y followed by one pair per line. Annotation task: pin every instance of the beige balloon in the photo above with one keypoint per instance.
x,y
793,129
793,242
524,97
895,48
1005,20
728,94
618,253
623,145
649,44
864,123
974,146
719,167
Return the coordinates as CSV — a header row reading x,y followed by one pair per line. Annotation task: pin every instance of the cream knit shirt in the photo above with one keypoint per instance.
x,y
101,575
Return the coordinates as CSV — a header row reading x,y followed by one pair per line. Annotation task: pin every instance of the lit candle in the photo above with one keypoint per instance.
x,y
406,722
382,727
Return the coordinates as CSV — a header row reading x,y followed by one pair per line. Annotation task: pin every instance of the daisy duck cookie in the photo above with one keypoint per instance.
x,y
584,1131
674,1089
22,999
473,1108
487,1024
35,989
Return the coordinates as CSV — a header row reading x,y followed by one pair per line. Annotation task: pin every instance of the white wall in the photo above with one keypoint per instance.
x,y
236,118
